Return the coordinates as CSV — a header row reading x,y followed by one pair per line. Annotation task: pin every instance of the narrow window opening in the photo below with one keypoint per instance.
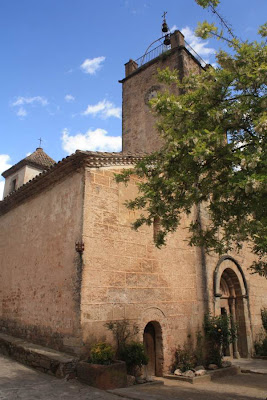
x,y
156,227
13,185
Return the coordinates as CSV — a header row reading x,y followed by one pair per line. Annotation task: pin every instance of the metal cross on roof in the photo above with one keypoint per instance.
x,y
40,140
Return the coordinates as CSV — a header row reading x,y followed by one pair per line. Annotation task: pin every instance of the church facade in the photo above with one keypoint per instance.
x,y
70,261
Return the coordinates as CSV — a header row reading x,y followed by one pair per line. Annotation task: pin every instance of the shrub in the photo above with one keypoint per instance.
x,y
184,358
260,345
128,350
219,333
133,354
263,349
123,332
102,353
188,356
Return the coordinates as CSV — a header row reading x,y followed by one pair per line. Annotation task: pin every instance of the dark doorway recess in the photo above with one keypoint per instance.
x,y
154,348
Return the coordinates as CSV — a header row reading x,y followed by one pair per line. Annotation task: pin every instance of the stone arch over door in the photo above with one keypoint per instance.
x,y
231,297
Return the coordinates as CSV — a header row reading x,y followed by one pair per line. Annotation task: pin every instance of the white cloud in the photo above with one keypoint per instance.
x,y
69,98
22,102
91,65
30,100
104,109
196,43
4,162
4,165
2,186
21,112
92,140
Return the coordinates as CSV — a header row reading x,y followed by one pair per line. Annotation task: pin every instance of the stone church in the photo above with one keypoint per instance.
x,y
70,261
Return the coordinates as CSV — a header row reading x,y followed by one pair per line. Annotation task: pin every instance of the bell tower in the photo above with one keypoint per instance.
x,y
139,133
26,169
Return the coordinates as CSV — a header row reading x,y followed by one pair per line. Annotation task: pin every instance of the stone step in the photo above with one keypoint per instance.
x,y
41,358
195,379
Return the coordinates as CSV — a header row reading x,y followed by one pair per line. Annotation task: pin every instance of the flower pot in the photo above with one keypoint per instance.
x,y
103,376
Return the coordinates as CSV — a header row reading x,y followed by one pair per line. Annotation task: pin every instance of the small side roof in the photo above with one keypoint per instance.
x,y
38,159
57,171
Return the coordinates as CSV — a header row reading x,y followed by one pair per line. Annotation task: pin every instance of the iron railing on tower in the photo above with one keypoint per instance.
x,y
194,53
161,49
154,53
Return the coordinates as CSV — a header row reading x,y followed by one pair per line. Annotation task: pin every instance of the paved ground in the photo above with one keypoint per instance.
x,y
18,382
238,387
254,365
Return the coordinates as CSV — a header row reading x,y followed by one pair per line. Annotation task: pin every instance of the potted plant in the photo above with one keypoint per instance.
x,y
101,370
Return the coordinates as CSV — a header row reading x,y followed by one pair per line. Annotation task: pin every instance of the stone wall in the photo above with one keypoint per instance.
x,y
39,275
125,276
138,123
51,295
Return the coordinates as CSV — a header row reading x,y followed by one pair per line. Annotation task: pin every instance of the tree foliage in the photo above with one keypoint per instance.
x,y
214,151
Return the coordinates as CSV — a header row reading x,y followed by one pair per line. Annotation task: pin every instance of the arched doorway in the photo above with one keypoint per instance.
x,y
231,298
154,348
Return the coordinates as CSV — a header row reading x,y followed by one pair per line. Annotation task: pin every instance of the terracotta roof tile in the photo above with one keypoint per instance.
x,y
38,159
41,158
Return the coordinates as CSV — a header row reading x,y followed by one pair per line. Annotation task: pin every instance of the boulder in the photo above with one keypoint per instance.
x,y
212,367
200,372
189,374
178,372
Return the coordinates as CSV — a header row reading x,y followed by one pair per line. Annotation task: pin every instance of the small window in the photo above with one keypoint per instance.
x,y
13,185
156,227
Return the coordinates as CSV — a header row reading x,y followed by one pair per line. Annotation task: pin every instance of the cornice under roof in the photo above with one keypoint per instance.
x,y
64,167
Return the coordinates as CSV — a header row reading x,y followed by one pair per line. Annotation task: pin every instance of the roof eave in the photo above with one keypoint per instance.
x,y
64,167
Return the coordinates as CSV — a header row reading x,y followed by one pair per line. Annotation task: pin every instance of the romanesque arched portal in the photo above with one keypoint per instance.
x,y
231,298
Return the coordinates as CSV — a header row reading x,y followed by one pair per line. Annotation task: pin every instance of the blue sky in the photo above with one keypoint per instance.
x,y
62,59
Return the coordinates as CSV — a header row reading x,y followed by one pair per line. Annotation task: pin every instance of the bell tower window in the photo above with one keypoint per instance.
x,y
13,185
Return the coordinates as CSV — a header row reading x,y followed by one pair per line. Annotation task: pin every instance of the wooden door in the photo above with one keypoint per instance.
x,y
150,347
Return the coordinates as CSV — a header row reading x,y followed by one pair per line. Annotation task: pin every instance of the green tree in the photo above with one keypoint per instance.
x,y
214,152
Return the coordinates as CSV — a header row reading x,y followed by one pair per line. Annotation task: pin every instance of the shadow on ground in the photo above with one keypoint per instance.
x,y
238,387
